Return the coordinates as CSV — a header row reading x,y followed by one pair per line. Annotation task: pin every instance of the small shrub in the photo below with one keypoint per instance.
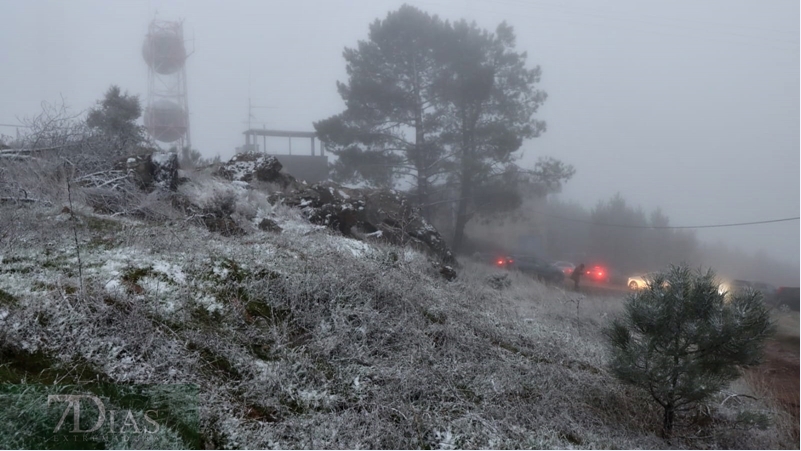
x,y
759,420
221,204
679,340
499,281
7,299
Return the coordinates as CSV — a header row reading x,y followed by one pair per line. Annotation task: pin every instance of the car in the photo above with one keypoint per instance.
x,y
566,267
767,290
788,296
504,262
497,259
737,285
640,281
538,269
597,273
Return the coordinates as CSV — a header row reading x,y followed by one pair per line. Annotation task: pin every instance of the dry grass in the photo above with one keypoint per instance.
x,y
776,381
308,340
780,406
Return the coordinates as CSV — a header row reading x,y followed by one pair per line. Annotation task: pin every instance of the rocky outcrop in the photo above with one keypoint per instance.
x,y
247,167
268,225
367,214
157,170
116,191
447,272
364,214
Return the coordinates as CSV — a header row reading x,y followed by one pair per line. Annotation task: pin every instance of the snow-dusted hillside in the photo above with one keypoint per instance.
x,y
300,339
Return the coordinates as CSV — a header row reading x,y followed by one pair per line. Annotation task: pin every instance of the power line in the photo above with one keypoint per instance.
x,y
738,224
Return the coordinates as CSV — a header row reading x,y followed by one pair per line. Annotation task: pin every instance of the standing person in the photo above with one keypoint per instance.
x,y
576,275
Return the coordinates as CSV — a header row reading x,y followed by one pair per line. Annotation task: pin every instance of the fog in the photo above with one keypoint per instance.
x,y
689,106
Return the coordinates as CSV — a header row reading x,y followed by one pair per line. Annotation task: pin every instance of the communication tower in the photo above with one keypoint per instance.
x,y
167,113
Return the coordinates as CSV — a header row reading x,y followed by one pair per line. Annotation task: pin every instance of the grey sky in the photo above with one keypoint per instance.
x,y
692,106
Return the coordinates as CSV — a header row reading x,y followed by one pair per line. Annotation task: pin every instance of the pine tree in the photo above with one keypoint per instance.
x,y
115,118
491,98
683,340
390,127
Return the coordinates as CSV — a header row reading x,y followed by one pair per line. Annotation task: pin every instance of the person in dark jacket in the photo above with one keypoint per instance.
x,y
576,275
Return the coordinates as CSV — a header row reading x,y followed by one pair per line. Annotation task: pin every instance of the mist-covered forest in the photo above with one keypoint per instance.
x,y
628,239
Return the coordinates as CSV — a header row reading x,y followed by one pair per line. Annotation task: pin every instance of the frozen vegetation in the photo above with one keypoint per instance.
x,y
304,338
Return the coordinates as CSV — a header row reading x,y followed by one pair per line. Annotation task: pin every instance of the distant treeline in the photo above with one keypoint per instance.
x,y
625,238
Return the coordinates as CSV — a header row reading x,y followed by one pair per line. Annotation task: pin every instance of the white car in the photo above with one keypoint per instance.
x,y
639,282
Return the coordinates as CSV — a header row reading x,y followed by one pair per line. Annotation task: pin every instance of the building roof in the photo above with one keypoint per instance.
x,y
279,133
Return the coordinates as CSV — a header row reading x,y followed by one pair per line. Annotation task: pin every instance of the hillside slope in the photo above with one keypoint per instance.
x,y
303,339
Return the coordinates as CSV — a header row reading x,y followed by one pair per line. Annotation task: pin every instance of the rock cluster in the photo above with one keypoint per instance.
x,y
365,214
158,170
247,167
359,213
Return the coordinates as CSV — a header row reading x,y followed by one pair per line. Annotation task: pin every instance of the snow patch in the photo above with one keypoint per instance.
x,y
160,158
210,303
267,370
357,249
174,272
410,255
114,286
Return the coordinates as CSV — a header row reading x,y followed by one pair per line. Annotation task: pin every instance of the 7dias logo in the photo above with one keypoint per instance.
x,y
119,421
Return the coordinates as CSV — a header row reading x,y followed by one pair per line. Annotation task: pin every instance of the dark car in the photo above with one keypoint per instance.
x,y
497,259
597,273
537,268
767,290
566,267
504,262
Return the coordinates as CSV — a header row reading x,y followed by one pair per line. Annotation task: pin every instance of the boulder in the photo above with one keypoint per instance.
x,y
268,225
165,170
378,214
157,170
393,214
247,167
370,213
327,204
447,272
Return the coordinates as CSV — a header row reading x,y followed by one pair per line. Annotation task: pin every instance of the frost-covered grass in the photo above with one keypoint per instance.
x,y
306,339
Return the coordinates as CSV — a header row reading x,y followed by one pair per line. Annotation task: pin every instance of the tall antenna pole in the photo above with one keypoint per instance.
x,y
250,106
